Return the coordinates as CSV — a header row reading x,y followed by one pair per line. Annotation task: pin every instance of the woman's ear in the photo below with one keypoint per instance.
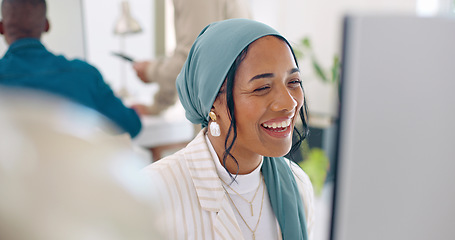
x,y
220,97
219,103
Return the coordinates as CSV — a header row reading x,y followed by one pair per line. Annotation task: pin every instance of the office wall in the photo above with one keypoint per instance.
x,y
100,19
321,20
66,35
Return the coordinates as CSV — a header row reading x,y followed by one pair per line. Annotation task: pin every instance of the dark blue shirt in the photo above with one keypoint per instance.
x,y
28,64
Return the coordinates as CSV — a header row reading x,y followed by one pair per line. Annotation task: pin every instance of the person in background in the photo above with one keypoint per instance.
x,y
28,64
241,82
190,16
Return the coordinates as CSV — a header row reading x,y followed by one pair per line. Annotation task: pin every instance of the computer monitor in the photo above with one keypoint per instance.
x,y
395,166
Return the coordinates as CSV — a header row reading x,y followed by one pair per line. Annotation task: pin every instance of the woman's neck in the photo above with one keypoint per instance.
x,y
247,161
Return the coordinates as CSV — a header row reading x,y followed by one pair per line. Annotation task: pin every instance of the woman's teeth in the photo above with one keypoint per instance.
x,y
274,125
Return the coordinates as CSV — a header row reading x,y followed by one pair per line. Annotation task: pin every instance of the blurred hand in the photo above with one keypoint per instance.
x,y
140,109
141,70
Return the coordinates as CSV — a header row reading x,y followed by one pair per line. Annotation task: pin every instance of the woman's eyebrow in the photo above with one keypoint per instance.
x,y
264,75
294,70
270,75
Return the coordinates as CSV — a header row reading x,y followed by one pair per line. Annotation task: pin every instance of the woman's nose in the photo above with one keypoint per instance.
x,y
284,100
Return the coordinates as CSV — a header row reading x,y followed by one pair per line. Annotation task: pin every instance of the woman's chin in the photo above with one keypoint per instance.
x,y
278,152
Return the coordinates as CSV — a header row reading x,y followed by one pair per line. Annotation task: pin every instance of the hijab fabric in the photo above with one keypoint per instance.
x,y
285,198
198,84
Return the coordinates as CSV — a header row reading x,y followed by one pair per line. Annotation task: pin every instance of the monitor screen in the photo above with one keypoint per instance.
x,y
395,157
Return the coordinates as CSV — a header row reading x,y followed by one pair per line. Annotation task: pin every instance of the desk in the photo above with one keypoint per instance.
x,y
170,130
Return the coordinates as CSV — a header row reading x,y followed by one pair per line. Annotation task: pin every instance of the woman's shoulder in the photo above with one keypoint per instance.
x,y
165,163
178,162
165,175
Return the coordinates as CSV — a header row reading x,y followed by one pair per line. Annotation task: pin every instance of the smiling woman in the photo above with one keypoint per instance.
x,y
267,93
231,181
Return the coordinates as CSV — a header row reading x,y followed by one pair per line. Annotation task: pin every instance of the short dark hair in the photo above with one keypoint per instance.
x,y
24,18
228,144
32,2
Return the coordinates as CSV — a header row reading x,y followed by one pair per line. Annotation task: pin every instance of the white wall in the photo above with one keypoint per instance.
x,y
100,19
320,19
66,35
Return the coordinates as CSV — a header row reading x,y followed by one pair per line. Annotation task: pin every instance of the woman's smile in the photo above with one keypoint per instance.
x,y
279,127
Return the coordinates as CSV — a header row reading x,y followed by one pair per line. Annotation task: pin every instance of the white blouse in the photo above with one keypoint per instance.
x,y
251,187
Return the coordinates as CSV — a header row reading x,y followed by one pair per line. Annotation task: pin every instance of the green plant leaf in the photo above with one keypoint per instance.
x,y
306,42
329,75
298,53
318,70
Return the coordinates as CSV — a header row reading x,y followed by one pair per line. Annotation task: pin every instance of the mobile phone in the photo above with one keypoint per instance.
x,y
123,56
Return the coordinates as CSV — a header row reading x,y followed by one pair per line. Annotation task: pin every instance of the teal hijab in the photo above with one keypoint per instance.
x,y
198,84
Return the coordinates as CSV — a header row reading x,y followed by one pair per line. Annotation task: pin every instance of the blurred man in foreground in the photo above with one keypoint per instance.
x,y
63,175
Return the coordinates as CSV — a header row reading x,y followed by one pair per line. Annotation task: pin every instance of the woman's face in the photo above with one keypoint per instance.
x,y
267,97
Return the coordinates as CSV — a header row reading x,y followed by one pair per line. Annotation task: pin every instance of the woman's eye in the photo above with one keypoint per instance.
x,y
261,89
295,82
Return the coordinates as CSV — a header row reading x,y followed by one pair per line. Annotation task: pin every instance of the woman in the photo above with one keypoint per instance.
x,y
242,83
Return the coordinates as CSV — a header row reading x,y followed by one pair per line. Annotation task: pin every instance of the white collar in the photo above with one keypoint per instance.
x,y
244,183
